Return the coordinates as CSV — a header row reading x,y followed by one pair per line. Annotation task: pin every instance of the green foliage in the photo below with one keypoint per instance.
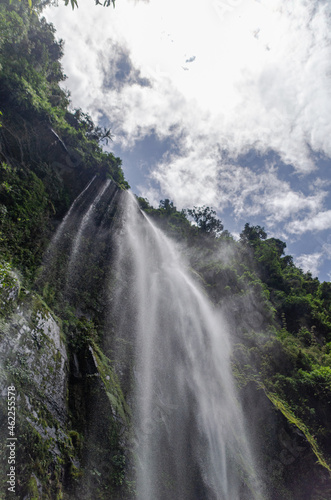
x,y
39,136
288,354
143,203
30,59
112,385
252,234
33,488
205,219
82,122
293,419
74,3
118,475
319,378
294,370
9,290
106,3
83,333
167,217
24,207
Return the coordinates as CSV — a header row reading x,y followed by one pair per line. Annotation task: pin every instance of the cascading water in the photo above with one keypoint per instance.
x,y
190,436
66,219
83,226
81,242
170,346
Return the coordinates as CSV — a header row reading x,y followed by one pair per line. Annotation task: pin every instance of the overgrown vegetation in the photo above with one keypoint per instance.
x,y
48,154
283,329
47,151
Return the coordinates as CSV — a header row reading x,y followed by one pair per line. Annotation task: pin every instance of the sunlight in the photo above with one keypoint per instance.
x,y
205,49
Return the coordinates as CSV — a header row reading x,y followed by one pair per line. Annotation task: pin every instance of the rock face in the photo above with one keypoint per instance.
x,y
74,375
9,287
70,411
33,347
33,358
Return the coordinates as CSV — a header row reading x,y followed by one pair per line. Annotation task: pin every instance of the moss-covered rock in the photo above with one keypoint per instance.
x,y
9,288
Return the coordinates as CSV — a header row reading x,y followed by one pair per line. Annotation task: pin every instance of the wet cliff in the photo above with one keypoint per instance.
x,y
146,357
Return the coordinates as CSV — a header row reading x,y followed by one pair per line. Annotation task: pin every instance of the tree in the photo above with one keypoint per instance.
x,y
278,245
206,220
106,3
252,234
143,203
73,3
82,121
167,205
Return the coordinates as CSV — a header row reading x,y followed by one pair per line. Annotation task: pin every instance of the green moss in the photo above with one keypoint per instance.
x,y
75,472
293,419
9,288
291,359
33,489
112,386
77,439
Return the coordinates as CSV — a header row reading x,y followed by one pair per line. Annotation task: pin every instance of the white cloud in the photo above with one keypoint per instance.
x,y
314,261
270,90
310,262
327,250
201,174
260,80
318,222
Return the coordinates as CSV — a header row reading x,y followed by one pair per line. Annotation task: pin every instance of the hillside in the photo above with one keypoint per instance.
x,y
72,309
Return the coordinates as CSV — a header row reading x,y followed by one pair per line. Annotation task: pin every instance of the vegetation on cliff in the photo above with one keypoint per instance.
x,y
48,151
280,316
281,325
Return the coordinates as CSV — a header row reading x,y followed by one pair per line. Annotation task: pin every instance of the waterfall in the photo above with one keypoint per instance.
x,y
171,348
191,442
82,228
81,243
63,224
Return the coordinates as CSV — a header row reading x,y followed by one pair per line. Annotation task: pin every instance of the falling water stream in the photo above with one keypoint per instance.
x,y
189,435
83,226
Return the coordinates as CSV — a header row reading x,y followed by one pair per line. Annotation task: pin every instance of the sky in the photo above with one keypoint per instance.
x,y
225,103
